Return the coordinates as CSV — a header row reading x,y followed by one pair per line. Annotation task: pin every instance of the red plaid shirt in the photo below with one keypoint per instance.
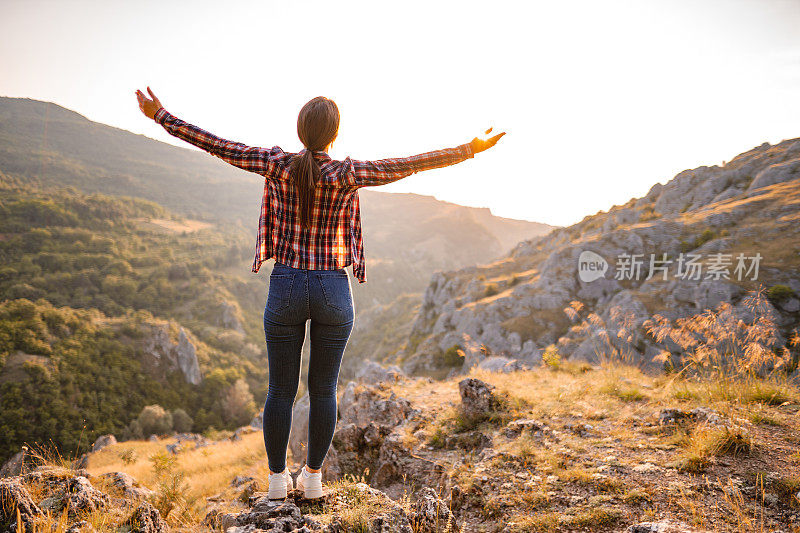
x,y
334,240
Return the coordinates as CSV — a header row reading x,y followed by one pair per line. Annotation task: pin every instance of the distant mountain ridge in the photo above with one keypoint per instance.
x,y
407,236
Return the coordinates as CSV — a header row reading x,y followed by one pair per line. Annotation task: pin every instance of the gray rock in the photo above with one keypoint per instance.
x,y
16,498
127,485
373,373
494,363
181,356
102,441
516,427
230,317
663,526
777,173
672,415
364,405
14,466
146,519
431,514
187,359
82,496
298,437
528,317
258,420
477,398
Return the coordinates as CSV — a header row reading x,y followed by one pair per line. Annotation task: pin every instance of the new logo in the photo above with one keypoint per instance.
x,y
591,266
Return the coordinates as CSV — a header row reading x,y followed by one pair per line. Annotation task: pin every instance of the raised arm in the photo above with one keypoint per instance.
x,y
250,158
383,171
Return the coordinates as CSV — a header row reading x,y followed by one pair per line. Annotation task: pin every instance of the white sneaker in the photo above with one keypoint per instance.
x,y
310,483
279,484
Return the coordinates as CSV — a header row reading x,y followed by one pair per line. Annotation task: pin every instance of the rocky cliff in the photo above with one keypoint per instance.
x,y
708,236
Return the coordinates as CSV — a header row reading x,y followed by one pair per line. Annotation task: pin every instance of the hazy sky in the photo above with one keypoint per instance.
x,y
600,99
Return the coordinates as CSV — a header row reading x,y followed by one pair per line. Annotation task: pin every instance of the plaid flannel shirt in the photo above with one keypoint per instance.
x,y
334,240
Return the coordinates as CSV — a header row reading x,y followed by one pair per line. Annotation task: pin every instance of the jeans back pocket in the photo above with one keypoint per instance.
x,y
336,291
280,291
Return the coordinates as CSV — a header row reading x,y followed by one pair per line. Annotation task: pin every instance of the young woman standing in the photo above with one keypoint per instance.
x,y
311,224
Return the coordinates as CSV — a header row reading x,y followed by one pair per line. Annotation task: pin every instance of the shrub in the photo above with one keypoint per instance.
x,y
181,422
238,405
778,293
717,343
706,236
154,420
453,356
491,290
551,357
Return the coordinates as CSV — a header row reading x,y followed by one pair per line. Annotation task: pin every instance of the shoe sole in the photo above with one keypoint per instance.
x,y
311,493
277,495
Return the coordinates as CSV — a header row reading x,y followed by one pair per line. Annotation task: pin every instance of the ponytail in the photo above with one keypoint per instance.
x,y
317,126
305,172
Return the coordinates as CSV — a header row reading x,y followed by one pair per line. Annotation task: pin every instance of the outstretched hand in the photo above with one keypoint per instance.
x,y
148,107
479,145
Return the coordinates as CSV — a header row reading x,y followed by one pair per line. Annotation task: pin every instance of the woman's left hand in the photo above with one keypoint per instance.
x,y
148,107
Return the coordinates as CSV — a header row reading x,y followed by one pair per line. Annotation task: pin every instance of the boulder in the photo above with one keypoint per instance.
x,y
146,519
14,466
14,497
477,398
372,373
102,441
126,485
364,405
82,496
430,514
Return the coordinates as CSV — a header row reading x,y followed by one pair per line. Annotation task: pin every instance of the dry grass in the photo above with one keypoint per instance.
x,y
208,470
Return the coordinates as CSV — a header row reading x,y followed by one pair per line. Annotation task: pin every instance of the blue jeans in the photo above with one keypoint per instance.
x,y
295,296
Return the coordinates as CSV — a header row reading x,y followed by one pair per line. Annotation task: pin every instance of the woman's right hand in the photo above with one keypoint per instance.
x,y
479,145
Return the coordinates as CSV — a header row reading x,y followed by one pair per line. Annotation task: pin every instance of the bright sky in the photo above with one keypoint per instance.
x,y
600,99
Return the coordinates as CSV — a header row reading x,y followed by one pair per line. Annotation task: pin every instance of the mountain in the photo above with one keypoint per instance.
x,y
724,219
406,236
125,276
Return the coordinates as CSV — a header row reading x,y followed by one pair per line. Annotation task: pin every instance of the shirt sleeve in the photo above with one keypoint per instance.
x,y
383,171
250,158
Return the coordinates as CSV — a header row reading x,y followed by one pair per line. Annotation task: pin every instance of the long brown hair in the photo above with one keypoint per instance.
x,y
317,126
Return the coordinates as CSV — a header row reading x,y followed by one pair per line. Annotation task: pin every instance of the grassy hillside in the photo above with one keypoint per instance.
x,y
89,282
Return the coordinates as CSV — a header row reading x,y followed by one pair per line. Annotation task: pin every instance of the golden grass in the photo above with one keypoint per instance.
x,y
208,470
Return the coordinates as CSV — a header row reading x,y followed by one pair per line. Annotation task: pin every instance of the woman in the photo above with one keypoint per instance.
x,y
311,224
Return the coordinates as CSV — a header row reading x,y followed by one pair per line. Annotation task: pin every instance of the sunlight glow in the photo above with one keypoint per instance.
x,y
600,99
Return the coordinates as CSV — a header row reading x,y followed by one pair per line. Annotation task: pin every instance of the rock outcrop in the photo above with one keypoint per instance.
x,y
174,356
13,467
372,373
372,437
503,315
354,507
102,441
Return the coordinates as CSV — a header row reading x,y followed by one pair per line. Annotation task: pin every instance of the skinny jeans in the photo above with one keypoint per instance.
x,y
294,297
